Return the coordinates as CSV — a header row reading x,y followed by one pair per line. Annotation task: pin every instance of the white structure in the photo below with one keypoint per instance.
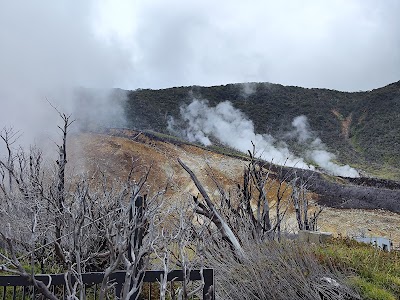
x,y
380,242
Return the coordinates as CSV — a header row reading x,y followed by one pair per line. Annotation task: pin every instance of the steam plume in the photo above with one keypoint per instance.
x,y
316,151
233,128
248,89
50,49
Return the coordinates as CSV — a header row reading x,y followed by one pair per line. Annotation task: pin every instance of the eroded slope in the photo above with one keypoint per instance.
x,y
116,151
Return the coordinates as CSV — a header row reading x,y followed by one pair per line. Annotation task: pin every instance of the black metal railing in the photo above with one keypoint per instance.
x,y
17,287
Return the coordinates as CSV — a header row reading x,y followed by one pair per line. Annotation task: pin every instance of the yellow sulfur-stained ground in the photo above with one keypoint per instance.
x,y
115,155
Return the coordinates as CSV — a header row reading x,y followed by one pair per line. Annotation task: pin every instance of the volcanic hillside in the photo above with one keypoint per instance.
x,y
352,206
361,128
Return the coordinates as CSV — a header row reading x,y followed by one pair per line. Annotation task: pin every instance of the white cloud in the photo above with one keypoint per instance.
x,y
345,45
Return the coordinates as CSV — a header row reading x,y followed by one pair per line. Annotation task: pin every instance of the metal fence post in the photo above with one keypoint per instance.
x,y
209,284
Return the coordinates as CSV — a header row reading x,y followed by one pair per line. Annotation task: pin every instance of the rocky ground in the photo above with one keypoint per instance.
x,y
350,208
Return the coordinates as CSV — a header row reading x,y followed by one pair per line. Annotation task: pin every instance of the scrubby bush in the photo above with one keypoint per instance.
x,y
272,270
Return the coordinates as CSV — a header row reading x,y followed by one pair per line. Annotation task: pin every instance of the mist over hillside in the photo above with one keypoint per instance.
x,y
361,129
232,128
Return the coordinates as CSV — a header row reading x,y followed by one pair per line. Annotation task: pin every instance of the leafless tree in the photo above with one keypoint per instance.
x,y
209,210
89,221
181,245
61,163
9,137
301,204
248,210
22,200
250,259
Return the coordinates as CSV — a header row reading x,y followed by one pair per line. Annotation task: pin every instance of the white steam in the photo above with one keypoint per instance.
x,y
99,108
316,151
248,89
48,50
301,129
233,128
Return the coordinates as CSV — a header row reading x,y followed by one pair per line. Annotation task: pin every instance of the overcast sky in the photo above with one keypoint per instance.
x,y
345,45
49,46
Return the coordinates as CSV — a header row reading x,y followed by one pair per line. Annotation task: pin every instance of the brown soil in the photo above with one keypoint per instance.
x,y
345,123
115,155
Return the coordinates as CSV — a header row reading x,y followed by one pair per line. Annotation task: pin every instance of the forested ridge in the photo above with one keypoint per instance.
x,y
361,128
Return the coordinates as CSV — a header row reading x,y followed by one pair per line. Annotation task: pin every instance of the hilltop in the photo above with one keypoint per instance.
x,y
361,128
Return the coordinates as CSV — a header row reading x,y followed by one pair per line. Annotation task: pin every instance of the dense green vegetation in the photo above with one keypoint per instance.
x,y
376,274
371,142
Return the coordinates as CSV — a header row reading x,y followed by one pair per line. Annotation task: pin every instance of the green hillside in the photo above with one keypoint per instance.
x,y
361,128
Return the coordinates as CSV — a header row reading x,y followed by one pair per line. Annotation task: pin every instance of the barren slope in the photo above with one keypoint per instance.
x,y
114,152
